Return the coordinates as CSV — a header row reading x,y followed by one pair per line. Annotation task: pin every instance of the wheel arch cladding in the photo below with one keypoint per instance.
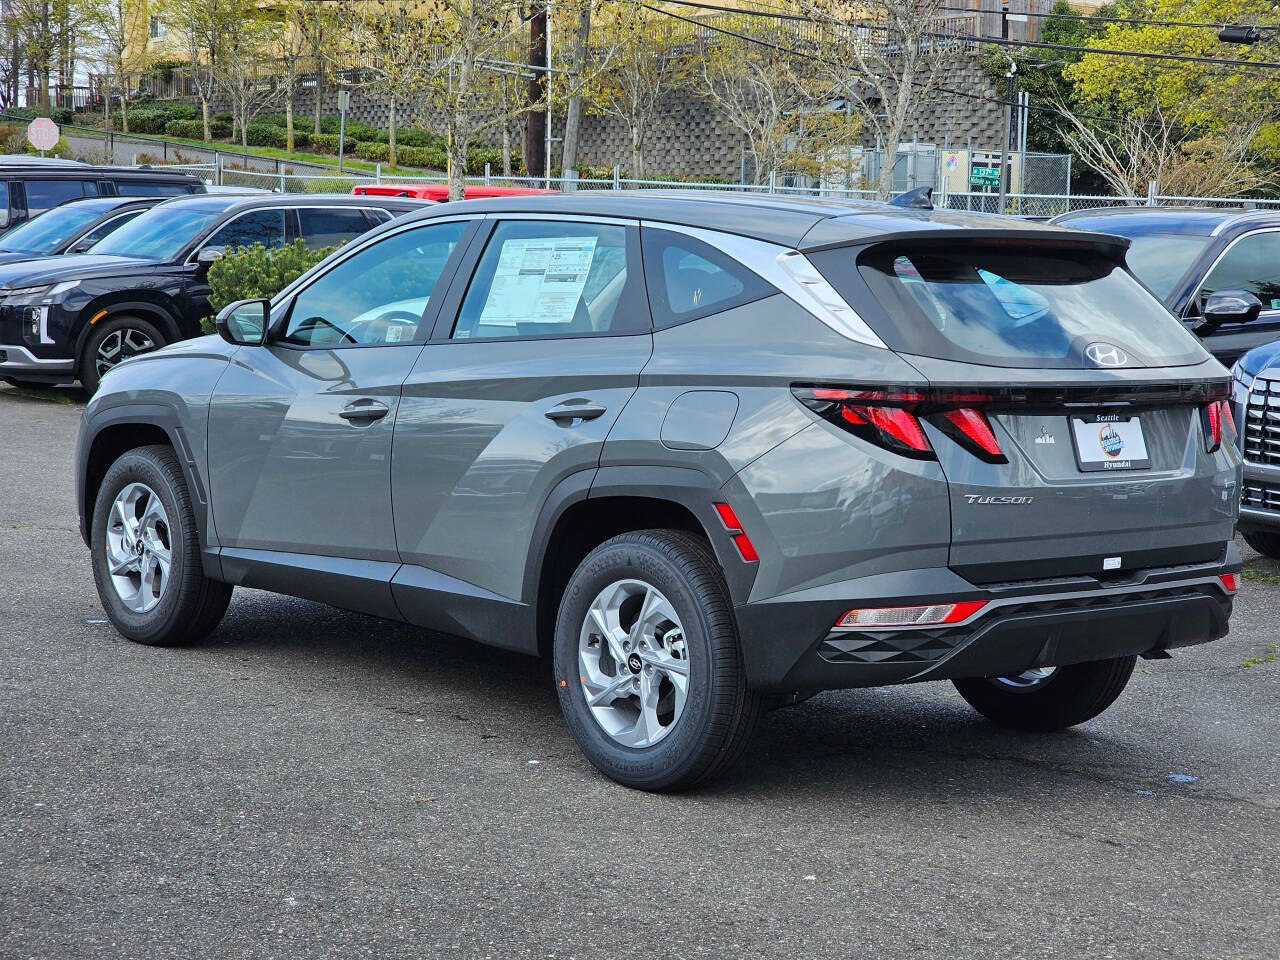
x,y
156,313
583,524
114,432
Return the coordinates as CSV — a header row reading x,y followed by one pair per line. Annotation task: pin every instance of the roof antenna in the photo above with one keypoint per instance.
x,y
921,198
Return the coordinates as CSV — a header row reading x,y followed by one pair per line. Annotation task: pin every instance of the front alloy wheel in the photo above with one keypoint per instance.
x,y
139,547
120,345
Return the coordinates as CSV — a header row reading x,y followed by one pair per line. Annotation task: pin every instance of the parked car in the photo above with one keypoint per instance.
x,y
30,186
439,192
707,451
1216,270
1256,404
73,227
146,284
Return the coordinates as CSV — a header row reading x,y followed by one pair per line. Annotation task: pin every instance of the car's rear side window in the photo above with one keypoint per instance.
x,y
331,226
151,188
4,204
1010,306
688,279
44,195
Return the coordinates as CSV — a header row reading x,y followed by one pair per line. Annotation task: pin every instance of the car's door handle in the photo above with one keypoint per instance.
x,y
364,411
575,409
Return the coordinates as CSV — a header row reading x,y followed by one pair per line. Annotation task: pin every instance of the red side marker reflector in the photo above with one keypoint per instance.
x,y
1230,581
746,549
897,618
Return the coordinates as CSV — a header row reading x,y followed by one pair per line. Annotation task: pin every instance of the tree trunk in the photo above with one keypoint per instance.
x,y
321,89
637,158
457,157
391,135
124,108
573,114
288,122
204,115
535,158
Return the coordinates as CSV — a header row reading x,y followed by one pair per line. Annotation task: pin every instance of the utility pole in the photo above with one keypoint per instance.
x,y
536,126
1010,86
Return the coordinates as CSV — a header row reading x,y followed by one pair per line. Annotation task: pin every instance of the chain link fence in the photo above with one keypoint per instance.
x,y
1039,206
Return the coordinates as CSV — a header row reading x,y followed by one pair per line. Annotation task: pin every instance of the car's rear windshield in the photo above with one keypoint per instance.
x,y
1011,306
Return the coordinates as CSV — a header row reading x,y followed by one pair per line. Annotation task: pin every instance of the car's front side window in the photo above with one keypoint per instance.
x,y
258,226
541,278
1252,263
378,295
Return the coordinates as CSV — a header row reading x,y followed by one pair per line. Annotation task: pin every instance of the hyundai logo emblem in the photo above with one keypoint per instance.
x,y
1106,355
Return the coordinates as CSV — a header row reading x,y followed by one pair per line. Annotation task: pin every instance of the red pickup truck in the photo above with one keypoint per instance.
x,y
439,192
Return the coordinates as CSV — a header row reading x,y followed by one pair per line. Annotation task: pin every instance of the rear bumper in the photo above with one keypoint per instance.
x,y
789,645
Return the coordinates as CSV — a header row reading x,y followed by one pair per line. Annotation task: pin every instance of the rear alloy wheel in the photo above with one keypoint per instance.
x,y
648,665
146,553
1265,542
1045,699
118,339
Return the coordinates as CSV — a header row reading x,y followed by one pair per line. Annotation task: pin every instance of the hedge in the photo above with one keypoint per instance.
x,y
328,143
252,272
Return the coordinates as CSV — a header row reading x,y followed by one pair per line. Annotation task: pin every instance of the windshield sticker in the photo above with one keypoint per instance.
x,y
539,281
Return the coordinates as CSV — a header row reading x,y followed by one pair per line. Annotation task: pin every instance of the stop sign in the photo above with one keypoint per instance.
x,y
43,133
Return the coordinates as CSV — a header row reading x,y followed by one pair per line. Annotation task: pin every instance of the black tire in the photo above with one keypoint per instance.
x,y
88,367
1265,542
719,713
1071,695
190,605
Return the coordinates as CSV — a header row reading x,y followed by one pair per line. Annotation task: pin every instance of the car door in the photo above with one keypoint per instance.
x,y
300,430
265,225
1250,262
538,347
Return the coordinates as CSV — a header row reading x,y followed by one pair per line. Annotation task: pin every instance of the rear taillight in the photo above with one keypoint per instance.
x,y
900,618
1230,581
891,418
1218,423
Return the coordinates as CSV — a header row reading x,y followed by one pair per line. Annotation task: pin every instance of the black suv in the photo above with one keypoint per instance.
x,y
146,284
30,186
73,227
1217,270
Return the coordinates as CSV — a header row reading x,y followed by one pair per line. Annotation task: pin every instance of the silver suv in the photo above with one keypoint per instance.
x,y
710,453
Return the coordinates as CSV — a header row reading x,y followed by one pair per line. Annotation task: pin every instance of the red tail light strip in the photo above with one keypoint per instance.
x,y
1218,423
907,618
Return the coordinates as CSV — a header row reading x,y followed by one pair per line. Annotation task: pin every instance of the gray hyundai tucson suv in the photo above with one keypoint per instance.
x,y
710,453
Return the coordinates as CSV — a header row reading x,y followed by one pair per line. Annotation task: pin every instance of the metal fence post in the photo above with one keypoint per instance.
x,y
377,173
773,181
617,177
487,178
282,188
1152,187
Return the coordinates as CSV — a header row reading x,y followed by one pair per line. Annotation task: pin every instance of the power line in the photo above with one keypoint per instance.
x,y
1077,16
982,38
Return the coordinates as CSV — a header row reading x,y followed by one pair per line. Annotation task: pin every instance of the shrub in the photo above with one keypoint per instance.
x,y
264,135
375,152
430,157
477,157
254,271
328,143
188,129
227,117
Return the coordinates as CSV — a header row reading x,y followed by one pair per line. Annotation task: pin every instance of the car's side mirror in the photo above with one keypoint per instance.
x,y
208,256
1229,306
244,322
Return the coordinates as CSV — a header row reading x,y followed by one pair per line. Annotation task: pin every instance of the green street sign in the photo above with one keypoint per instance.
x,y
984,176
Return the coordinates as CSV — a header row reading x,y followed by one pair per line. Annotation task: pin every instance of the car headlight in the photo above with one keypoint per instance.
x,y
32,304
41,293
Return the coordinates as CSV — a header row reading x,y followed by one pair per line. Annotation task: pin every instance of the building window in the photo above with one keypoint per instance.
x,y
156,28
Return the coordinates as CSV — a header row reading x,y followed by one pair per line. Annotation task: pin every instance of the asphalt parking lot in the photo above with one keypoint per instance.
x,y
317,783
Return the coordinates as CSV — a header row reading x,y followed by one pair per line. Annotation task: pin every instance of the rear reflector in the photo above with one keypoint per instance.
x,y
896,618
746,549
1230,581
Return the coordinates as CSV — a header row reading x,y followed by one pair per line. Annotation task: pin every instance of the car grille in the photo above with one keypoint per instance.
x,y
1260,496
1262,422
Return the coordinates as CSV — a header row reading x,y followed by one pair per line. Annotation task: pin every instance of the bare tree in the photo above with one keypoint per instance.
x,y
393,46
316,23
889,62
200,26
112,25
291,46
243,69
641,67
758,90
1148,146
